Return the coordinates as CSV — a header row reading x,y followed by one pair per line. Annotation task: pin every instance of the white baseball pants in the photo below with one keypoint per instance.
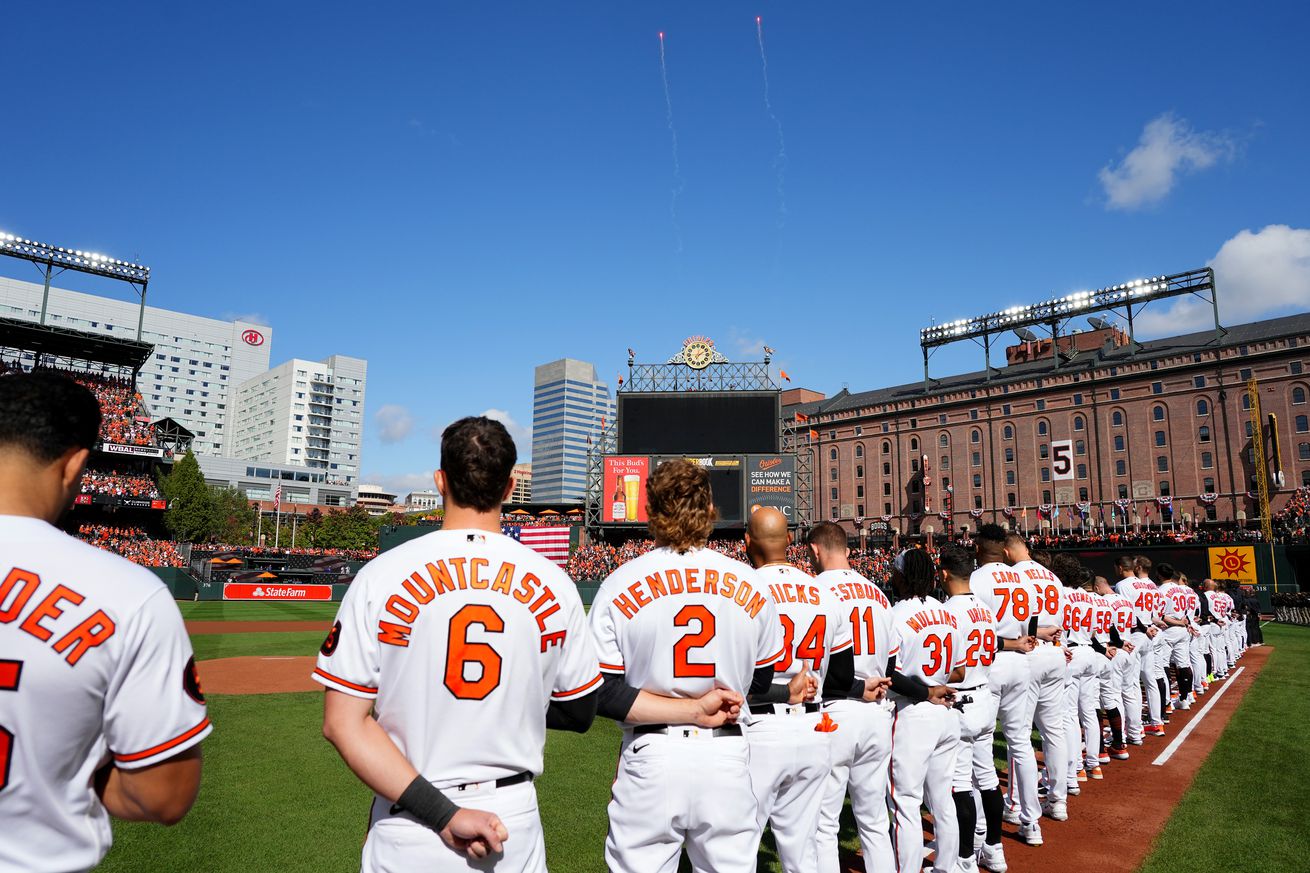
x,y
975,765
1011,679
1046,712
789,770
860,753
925,737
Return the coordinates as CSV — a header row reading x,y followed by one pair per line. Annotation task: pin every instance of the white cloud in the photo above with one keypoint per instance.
x,y
746,346
522,435
394,423
401,484
1167,149
249,317
1258,274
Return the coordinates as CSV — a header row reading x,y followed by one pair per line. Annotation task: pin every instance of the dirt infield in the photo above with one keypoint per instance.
x,y
252,627
257,675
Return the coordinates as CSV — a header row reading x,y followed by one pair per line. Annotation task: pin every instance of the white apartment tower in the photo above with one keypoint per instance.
x,y
304,413
196,363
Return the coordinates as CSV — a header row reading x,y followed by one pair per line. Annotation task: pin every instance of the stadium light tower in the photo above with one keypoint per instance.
x,y
53,260
1128,298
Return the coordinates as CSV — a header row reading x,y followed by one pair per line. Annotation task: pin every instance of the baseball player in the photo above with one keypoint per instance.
x,y
1160,663
685,634
1010,596
1226,608
1126,695
1199,645
101,712
788,742
440,647
1110,629
1178,630
1142,592
1048,666
1082,691
925,730
860,748
977,705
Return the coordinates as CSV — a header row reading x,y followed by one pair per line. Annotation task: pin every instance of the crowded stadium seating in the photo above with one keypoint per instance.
x,y
123,414
119,484
132,543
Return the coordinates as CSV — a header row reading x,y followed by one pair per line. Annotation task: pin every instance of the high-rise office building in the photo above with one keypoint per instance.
x,y
568,403
195,365
307,413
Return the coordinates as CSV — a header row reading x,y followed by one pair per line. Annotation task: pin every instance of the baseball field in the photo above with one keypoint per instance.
x,y
276,797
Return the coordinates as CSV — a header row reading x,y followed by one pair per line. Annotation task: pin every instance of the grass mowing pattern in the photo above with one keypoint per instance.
x,y
1242,811
243,610
209,646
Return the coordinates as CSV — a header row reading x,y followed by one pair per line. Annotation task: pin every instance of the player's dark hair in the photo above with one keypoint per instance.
x,y
477,456
1164,572
680,505
1042,557
828,535
990,540
1142,564
1125,564
46,414
918,571
1069,570
955,560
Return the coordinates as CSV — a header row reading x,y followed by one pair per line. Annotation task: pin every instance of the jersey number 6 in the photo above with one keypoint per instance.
x,y
683,668
461,653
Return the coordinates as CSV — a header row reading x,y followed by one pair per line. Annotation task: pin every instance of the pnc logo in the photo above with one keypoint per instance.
x,y
770,463
252,337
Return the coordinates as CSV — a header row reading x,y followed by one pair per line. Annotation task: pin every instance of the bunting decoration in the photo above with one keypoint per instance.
x,y
1207,497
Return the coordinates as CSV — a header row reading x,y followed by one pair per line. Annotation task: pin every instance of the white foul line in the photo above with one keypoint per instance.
x,y
1182,735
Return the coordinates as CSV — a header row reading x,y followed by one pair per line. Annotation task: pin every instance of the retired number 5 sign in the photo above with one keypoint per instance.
x,y
1062,459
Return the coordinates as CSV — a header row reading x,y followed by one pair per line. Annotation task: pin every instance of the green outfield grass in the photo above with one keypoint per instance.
x,y
243,610
1247,809
276,797
208,646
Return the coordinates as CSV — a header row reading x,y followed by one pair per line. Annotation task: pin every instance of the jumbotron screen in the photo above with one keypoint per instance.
x,y
699,423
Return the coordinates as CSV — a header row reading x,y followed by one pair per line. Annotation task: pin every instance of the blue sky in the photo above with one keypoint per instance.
x,y
458,192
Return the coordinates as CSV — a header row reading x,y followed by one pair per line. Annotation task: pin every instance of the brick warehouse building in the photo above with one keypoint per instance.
x,y
1171,420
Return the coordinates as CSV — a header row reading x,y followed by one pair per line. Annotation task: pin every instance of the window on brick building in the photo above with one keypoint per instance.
x,y
859,450
1302,424
1082,471
832,474
1117,419
1080,447
976,459
944,440
1007,432
1118,442
941,419
1078,422
1203,434
859,491
977,480
1046,497
1078,400
1305,477
975,436
1114,392
1123,492
1157,387
1298,395
1121,467
886,447
946,462
1009,454
977,501
914,444
1044,451
1159,438
886,468
1157,413
1294,368
886,489
1011,499
1202,406
1207,461
1046,474
1303,451
886,509
1244,373
1164,487
1009,477
1208,485
1041,405
1042,428
832,453
1162,463
859,471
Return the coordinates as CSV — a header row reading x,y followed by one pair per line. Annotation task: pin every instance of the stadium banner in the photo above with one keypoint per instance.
x,y
115,500
623,489
135,451
275,591
771,481
1233,562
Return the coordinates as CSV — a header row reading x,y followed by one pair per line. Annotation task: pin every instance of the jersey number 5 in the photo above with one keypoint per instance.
x,y
10,673
462,653
683,667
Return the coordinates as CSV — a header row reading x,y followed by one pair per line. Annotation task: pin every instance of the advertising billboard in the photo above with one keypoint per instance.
x,y
771,481
698,423
275,591
623,490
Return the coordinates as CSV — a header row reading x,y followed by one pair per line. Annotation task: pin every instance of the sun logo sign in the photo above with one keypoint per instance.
x,y
1235,562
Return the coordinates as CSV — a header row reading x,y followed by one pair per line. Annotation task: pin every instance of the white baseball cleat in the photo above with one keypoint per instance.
x,y
1011,815
1031,833
1057,810
1074,789
992,857
1184,704
966,865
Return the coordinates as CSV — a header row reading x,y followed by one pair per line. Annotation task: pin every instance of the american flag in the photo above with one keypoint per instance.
x,y
551,543
277,498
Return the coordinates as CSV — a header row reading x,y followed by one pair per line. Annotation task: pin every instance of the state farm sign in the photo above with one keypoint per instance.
x,y
275,591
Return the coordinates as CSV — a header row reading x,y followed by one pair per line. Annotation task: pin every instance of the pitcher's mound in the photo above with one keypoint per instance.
x,y
257,675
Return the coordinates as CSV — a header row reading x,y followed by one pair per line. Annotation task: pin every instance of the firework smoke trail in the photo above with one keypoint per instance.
x,y
673,134
780,160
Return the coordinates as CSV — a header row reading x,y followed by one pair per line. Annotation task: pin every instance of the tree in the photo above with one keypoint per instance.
x,y
233,516
191,515
351,528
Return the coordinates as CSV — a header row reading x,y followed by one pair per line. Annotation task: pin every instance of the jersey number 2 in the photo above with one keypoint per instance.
x,y
683,667
461,653
10,673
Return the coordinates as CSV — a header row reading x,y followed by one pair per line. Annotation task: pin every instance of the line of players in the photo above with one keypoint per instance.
x,y
749,696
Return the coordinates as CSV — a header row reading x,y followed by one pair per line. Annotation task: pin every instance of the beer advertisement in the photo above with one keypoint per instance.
x,y
623,499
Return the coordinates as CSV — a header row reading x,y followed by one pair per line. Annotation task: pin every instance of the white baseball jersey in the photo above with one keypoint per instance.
x,y
1102,617
869,615
1193,605
1048,603
681,625
813,627
1125,613
1175,600
977,628
1079,619
1143,594
1212,597
1008,594
95,666
458,636
1225,604
1157,599
927,638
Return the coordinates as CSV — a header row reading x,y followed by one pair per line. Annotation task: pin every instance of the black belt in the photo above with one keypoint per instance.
x,y
767,708
503,782
728,730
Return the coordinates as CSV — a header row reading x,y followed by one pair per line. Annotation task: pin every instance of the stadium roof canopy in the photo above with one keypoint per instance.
x,y
56,344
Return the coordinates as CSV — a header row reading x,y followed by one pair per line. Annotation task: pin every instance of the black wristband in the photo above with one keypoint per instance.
x,y
425,802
